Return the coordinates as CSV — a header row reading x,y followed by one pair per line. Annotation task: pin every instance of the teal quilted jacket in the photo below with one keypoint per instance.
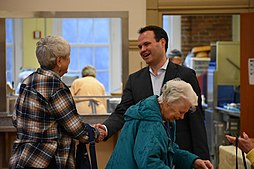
x,y
144,142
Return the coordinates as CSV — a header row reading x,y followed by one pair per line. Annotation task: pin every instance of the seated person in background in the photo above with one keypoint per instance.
x,y
88,85
176,57
246,145
146,141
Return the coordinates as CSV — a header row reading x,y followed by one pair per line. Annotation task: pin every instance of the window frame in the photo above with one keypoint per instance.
x,y
17,50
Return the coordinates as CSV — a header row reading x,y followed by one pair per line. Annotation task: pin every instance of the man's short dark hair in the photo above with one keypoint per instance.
x,y
158,32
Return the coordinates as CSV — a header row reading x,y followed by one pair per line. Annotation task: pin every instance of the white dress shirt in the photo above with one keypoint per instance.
x,y
157,80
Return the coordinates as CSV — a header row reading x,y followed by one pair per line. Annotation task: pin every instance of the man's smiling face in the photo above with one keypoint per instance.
x,y
150,50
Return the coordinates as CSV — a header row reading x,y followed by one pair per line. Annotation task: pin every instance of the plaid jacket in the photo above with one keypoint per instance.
x,y
46,120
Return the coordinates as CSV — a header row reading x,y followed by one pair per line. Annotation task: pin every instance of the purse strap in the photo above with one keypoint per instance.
x,y
243,156
91,135
236,151
82,157
244,160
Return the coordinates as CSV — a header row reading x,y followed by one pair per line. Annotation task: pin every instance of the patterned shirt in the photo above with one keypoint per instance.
x,y
46,120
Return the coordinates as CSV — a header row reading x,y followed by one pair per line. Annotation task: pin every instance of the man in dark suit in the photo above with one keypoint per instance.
x,y
153,43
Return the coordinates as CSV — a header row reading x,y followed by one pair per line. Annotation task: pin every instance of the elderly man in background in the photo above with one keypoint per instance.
x,y
176,56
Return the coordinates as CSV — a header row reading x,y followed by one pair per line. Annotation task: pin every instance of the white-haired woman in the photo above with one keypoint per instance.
x,y
146,141
46,118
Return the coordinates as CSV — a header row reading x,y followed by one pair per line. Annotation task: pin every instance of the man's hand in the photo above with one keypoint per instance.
x,y
102,130
202,164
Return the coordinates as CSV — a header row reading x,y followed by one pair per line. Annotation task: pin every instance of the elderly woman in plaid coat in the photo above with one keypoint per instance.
x,y
46,118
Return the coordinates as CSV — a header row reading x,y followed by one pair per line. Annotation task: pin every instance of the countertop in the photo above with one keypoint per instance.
x,y
229,112
7,126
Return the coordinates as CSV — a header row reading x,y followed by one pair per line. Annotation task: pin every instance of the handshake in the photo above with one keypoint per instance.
x,y
101,132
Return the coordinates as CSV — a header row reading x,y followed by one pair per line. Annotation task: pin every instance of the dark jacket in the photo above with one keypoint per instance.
x,y
191,132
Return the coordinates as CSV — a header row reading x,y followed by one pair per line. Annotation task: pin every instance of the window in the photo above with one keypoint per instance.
x,y
92,42
14,50
9,51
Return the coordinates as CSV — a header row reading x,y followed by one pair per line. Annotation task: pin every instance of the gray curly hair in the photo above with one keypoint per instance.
x,y
177,90
89,71
49,48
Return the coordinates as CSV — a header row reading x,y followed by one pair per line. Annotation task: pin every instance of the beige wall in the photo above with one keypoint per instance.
x,y
29,8
136,9
29,43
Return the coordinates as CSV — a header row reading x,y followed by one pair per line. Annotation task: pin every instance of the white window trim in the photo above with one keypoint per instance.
x,y
174,32
17,50
116,53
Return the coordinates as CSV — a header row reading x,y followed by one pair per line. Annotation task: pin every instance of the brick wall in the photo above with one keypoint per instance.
x,y
202,30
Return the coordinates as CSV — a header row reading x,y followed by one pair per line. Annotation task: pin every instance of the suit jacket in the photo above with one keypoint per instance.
x,y
190,132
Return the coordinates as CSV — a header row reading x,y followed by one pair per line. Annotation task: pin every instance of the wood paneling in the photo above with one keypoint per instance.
x,y
204,3
6,140
247,91
180,7
2,66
